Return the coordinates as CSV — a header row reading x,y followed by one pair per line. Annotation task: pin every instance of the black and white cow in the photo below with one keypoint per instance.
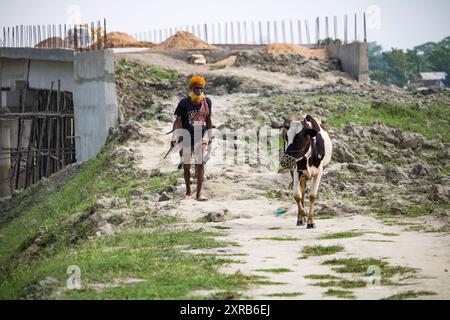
x,y
308,150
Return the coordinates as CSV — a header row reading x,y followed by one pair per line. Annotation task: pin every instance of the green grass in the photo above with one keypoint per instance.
x,y
427,122
279,239
321,250
218,67
410,295
96,179
354,265
152,254
321,277
346,284
140,72
285,295
361,110
221,228
341,235
269,283
279,270
345,294
168,272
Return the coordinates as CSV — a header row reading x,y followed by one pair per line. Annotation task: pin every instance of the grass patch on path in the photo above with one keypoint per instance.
x,y
361,266
321,277
285,295
279,270
410,295
341,235
279,239
340,294
321,250
346,284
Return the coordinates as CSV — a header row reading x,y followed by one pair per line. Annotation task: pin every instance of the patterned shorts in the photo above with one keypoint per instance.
x,y
198,150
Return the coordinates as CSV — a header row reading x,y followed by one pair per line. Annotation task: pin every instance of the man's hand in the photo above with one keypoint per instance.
x,y
206,141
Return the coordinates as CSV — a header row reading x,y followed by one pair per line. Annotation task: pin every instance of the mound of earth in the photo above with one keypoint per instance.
x,y
283,48
289,63
228,62
184,40
122,40
53,42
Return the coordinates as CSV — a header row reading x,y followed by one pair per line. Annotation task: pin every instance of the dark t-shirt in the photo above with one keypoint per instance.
x,y
186,109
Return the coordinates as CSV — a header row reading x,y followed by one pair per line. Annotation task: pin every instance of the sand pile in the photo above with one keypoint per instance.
x,y
184,40
228,62
54,42
280,48
122,40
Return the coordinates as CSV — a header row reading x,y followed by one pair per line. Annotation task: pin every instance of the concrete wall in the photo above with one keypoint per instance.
x,y
90,76
354,58
95,101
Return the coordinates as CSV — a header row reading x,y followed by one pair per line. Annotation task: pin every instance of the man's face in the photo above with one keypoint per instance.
x,y
198,90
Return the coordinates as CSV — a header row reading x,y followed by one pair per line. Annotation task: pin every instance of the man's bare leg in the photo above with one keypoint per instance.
x,y
200,176
187,180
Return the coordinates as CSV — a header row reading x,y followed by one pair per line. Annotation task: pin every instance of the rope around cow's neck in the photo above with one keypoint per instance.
x,y
288,161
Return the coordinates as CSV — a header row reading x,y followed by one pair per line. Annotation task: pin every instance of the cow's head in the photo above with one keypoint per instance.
x,y
297,139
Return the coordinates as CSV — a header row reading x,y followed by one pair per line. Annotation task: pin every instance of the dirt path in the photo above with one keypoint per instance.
x,y
240,193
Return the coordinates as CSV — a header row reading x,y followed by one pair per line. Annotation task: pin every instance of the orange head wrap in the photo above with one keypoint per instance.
x,y
197,81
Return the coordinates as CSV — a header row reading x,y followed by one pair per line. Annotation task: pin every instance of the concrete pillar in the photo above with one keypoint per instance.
x,y
5,158
95,101
354,59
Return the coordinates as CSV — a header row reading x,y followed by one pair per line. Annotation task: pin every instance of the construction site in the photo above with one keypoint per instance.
x,y
83,117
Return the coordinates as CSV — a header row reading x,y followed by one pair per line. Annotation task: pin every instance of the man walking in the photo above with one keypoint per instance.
x,y
194,116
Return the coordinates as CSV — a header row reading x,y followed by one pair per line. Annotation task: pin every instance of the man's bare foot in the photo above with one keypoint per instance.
x,y
201,199
188,197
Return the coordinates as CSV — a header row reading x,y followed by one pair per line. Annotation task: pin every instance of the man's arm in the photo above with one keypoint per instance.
x,y
176,125
209,127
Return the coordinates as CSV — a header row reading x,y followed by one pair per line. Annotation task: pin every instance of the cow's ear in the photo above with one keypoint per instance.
x,y
311,132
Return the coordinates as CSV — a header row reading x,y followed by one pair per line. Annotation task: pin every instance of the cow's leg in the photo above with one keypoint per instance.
x,y
303,180
291,185
298,198
312,200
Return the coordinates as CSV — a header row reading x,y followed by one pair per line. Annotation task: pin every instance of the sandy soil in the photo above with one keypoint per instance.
x,y
240,192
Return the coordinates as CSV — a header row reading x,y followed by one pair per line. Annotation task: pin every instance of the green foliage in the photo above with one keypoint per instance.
x,y
403,68
141,72
439,58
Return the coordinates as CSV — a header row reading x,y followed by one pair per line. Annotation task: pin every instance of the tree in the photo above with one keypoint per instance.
x,y
397,67
439,59
416,64
376,61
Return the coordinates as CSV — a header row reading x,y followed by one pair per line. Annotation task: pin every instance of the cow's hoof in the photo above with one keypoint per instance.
x,y
300,223
311,226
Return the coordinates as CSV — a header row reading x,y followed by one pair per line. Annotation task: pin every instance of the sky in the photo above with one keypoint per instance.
x,y
392,23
